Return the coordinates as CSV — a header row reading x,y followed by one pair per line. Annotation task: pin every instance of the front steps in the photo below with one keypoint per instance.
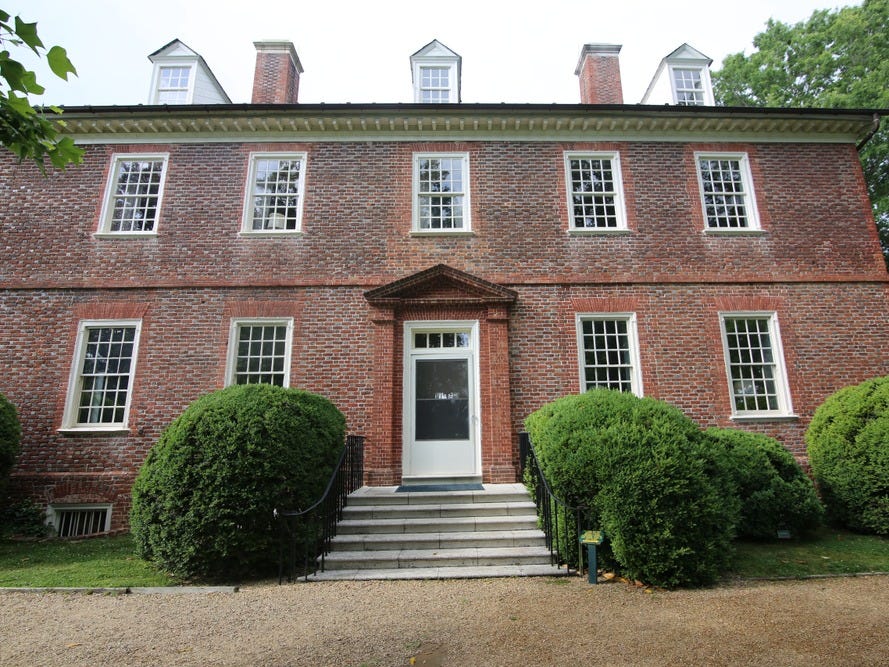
x,y
386,534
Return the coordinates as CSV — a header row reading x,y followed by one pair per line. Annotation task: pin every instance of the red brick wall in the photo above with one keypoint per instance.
x,y
817,264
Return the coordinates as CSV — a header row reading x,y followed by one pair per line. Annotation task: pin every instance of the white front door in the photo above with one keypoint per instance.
x,y
440,399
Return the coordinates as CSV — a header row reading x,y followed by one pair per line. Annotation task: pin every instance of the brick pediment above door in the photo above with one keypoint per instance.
x,y
440,285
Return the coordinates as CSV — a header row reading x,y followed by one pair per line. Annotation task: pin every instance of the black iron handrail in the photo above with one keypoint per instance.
x,y
555,515
315,527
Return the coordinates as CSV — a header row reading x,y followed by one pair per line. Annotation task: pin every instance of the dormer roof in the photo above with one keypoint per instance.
x,y
664,89
446,63
198,86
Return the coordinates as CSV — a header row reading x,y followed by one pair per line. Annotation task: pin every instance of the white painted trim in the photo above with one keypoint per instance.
x,y
247,215
72,400
232,355
415,194
632,333
472,353
750,193
103,229
620,204
782,386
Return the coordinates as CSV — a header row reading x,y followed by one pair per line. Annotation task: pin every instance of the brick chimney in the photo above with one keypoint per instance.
x,y
276,78
599,72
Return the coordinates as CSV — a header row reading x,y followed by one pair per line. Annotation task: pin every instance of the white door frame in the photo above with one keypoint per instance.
x,y
410,354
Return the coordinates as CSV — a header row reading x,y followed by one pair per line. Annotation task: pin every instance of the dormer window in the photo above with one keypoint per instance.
x,y
182,77
683,79
435,70
688,86
173,85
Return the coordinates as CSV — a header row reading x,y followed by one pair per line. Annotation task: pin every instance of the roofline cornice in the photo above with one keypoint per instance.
x,y
340,122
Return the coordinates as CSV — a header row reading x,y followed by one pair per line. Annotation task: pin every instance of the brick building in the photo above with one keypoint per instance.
x,y
438,269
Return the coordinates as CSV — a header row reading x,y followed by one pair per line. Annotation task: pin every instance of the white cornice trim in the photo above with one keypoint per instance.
x,y
209,124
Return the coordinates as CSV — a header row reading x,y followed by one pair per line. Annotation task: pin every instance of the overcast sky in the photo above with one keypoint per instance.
x,y
357,51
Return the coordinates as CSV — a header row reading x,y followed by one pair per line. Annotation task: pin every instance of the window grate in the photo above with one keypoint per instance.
x,y
77,522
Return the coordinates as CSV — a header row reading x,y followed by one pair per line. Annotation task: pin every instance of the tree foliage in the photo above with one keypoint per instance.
x,y
24,129
835,59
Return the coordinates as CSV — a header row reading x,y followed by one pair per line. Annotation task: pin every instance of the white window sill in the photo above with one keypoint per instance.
x,y
95,430
270,233
764,418
599,231
124,235
716,231
441,232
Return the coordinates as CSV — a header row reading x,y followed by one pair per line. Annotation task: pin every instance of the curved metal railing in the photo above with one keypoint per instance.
x,y
315,526
560,522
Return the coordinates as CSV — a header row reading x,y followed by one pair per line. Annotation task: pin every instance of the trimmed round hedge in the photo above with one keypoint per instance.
x,y
654,483
10,439
204,498
848,447
775,493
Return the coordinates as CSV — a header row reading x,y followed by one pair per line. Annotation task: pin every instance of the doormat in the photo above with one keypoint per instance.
x,y
436,488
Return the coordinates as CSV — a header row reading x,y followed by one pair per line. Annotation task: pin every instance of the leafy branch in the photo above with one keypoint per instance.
x,y
24,129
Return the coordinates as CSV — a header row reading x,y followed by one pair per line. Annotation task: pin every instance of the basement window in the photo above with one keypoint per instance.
x,y
80,520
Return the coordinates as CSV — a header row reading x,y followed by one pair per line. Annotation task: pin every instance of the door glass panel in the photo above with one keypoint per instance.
x,y
442,399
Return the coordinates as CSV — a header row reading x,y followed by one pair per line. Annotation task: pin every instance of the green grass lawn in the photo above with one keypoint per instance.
x,y
111,561
94,563
828,551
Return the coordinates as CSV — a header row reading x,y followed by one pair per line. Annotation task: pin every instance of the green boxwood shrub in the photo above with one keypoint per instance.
x,y
775,493
10,438
651,478
848,447
204,498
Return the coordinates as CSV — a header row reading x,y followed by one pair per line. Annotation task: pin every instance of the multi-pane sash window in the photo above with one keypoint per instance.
x,y
608,353
727,192
688,87
173,85
755,365
441,193
594,191
102,378
276,192
435,84
134,194
260,352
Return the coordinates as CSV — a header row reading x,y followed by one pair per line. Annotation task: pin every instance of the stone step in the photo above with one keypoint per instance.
x,y
413,558
386,495
475,572
439,540
436,524
446,510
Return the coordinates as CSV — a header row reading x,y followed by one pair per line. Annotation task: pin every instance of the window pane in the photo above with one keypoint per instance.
x,y
276,194
261,354
752,368
104,377
606,354
137,189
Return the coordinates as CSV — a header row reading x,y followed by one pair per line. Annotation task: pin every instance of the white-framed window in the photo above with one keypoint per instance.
x,y
78,520
688,86
727,197
441,193
595,191
100,387
608,352
133,195
259,351
435,84
275,190
754,361
174,84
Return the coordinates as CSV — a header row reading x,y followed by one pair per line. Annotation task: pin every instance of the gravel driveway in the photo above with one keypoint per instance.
x,y
488,622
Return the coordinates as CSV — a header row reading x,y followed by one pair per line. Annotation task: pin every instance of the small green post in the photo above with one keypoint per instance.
x,y
592,538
